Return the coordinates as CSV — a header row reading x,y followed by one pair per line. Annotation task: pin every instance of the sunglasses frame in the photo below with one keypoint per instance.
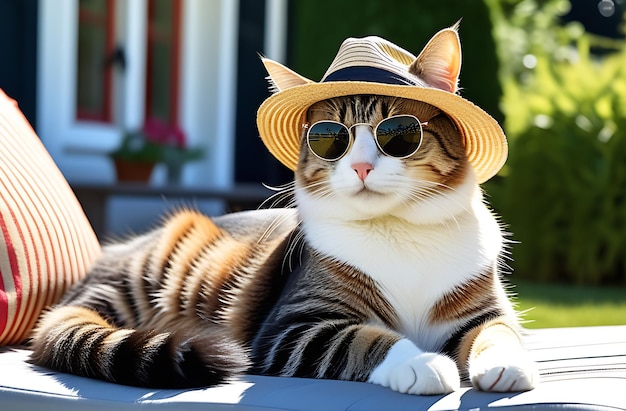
x,y
308,129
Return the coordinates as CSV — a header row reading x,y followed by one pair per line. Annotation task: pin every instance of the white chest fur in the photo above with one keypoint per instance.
x,y
415,265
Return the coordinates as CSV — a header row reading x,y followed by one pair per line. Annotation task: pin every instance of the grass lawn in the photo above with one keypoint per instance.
x,y
553,305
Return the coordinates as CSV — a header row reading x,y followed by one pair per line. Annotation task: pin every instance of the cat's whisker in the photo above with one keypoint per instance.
x,y
286,196
296,243
319,190
282,195
272,226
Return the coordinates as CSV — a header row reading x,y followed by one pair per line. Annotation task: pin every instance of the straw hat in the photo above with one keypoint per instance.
x,y
372,65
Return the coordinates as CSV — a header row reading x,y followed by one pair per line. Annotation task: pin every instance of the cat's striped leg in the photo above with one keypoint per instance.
x,y
407,369
343,350
496,359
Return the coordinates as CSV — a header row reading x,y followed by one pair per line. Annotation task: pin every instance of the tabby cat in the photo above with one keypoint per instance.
x,y
386,271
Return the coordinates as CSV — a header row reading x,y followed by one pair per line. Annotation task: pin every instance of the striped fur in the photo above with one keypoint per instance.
x,y
367,280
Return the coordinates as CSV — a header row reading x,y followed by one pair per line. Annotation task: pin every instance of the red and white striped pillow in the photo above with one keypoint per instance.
x,y
46,241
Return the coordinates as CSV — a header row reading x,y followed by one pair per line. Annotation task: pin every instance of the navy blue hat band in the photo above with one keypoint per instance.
x,y
369,74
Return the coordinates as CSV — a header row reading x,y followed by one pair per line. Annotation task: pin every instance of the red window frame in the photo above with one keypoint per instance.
x,y
154,37
107,24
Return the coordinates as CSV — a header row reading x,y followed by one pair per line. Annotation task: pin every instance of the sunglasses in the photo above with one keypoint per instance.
x,y
396,136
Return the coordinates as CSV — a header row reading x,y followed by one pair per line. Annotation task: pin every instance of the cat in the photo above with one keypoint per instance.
x,y
387,271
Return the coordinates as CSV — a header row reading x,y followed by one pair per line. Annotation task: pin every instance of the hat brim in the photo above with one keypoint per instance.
x,y
281,116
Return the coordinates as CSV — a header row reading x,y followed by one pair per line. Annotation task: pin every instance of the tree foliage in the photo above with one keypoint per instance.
x,y
563,191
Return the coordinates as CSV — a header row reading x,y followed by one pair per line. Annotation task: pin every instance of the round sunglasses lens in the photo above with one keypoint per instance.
x,y
328,140
399,136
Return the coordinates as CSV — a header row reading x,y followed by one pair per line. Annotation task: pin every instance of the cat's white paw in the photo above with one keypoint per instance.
x,y
426,374
503,370
408,370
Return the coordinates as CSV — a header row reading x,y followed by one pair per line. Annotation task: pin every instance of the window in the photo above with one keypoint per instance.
x,y
94,74
162,64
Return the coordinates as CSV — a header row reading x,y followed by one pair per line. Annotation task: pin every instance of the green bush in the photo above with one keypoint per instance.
x,y
563,191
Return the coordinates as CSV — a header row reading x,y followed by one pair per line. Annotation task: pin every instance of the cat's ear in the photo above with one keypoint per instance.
x,y
439,63
281,77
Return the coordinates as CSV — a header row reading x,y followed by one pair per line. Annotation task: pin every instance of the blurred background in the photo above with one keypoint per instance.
x,y
177,83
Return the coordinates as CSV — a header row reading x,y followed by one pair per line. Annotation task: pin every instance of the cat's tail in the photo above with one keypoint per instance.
x,y
78,340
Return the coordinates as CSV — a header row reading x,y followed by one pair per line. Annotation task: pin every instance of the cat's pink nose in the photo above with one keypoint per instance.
x,y
362,169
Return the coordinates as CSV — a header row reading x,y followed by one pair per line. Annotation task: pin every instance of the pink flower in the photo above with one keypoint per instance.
x,y
159,132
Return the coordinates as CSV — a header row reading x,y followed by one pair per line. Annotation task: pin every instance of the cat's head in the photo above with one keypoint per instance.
x,y
369,84
430,185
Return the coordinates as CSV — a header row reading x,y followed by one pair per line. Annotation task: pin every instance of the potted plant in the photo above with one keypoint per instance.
x,y
157,142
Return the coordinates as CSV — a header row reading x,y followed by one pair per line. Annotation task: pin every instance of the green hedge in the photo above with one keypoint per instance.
x,y
563,190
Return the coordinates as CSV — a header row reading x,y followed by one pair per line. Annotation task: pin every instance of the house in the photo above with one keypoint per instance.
x,y
97,68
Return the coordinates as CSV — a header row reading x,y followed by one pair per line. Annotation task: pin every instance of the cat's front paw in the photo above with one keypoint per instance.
x,y
408,370
426,374
503,370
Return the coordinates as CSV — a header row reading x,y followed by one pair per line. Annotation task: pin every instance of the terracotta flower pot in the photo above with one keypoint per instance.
x,y
133,171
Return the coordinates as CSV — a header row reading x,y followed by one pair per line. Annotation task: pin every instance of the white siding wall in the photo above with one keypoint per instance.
x,y
56,97
209,74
